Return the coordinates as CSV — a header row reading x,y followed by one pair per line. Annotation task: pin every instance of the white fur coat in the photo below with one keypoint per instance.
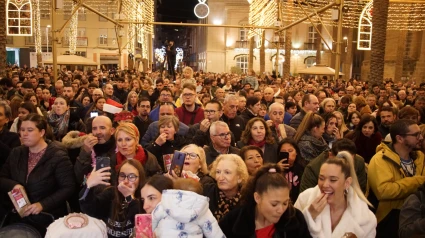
x,y
357,218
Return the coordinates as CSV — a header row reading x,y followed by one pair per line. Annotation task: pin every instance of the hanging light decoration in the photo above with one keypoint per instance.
x,y
73,29
37,28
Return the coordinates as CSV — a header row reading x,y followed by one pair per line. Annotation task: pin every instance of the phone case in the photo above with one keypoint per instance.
x,y
102,162
143,226
177,163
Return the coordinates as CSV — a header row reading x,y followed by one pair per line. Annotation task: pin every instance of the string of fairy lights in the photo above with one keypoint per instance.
x,y
73,31
36,22
261,13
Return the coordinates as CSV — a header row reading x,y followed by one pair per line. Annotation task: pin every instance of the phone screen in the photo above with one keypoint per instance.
x,y
177,163
283,155
94,114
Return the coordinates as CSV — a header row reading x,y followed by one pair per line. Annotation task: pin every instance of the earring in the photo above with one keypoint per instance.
x,y
346,192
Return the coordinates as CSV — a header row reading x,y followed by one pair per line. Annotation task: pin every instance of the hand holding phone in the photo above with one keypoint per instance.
x,y
144,226
283,163
177,163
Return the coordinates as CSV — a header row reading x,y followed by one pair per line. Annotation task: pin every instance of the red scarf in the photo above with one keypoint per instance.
x,y
258,144
140,156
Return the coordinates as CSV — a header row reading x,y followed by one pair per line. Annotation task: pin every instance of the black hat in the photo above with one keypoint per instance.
x,y
93,85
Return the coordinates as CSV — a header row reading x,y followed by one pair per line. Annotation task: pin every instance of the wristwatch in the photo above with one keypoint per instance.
x,y
128,199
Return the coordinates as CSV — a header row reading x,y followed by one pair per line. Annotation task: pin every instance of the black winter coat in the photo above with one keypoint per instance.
x,y
240,223
50,183
8,141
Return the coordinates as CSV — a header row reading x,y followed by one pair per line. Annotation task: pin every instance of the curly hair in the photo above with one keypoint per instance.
x,y
246,134
241,168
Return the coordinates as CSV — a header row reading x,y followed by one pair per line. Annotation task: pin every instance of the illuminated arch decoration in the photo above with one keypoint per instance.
x,y
19,18
179,56
364,36
160,54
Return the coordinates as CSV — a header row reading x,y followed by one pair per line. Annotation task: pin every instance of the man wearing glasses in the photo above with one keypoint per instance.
x,y
189,113
220,136
395,172
165,96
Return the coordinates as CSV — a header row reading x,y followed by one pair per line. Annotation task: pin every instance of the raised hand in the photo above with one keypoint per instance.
x,y
98,177
318,205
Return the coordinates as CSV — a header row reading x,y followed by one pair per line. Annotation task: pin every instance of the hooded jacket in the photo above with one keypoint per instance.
x,y
190,118
184,214
357,218
388,181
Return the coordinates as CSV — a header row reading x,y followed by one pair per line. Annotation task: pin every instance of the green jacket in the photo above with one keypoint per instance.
x,y
311,172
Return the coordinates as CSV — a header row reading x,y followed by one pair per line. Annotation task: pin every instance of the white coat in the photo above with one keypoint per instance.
x,y
184,214
357,218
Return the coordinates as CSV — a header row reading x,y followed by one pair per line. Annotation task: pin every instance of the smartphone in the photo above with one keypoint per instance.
x,y
94,114
177,163
143,226
102,162
283,155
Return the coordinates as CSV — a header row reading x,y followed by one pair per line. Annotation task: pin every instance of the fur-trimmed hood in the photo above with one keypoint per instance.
x,y
73,140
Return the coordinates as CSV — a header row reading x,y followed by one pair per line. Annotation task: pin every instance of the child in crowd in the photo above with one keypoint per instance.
x,y
183,212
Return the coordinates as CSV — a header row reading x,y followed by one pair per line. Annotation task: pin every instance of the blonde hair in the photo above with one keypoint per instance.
x,y
128,128
343,127
187,68
326,101
202,157
241,168
310,121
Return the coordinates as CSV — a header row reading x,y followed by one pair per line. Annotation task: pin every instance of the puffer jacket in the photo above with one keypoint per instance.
x,y
388,181
50,183
184,214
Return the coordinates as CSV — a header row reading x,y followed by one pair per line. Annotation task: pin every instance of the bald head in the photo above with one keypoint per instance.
x,y
268,94
277,113
102,129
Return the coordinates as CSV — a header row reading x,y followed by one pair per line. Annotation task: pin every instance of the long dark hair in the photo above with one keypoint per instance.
x,y
364,119
160,182
268,176
117,209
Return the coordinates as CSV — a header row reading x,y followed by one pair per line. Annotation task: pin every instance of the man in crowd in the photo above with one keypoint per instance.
x,y
75,107
142,120
268,97
119,91
159,85
371,101
312,170
388,117
419,104
310,103
277,114
189,113
219,94
108,92
165,109
395,172
58,88
166,95
230,116
220,136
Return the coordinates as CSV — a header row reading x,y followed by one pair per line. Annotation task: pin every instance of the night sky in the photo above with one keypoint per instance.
x,y
177,10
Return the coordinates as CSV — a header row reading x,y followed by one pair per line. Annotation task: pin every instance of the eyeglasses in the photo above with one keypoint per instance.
x,y
188,95
191,155
418,135
130,177
223,135
209,111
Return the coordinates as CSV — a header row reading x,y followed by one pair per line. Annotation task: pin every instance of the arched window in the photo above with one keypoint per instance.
x,y
364,36
19,18
242,62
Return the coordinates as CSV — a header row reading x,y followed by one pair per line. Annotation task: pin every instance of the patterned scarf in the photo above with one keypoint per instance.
x,y
225,204
140,156
59,124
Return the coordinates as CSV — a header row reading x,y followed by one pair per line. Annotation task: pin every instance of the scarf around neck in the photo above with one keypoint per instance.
x,y
258,144
225,205
140,156
59,124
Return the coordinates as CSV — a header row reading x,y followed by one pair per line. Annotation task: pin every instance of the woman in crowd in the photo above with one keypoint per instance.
x,y
85,101
337,207
82,91
366,137
206,97
328,105
196,164
351,107
309,136
61,121
266,209
361,105
342,127
136,85
127,140
39,93
151,192
293,165
116,205
41,167
32,98
297,95
263,111
331,128
253,157
131,104
231,175
167,141
291,108
47,100
97,106
354,120
24,109
258,133
253,106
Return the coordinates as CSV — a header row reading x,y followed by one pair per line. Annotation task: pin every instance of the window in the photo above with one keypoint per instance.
x,y
311,34
242,63
44,14
243,34
103,36
310,61
19,17
82,14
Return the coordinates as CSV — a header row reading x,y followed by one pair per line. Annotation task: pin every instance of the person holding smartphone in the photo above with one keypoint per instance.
x,y
115,205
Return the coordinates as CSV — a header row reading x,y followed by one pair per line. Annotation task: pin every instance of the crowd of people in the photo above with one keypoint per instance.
x,y
265,156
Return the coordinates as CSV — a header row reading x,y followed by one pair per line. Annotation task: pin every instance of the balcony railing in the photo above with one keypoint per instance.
x,y
242,44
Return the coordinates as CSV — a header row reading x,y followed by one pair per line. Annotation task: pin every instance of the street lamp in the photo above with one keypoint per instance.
x,y
346,43
47,38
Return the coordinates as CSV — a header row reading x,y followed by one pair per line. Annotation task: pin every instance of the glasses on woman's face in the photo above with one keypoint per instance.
x,y
191,156
130,177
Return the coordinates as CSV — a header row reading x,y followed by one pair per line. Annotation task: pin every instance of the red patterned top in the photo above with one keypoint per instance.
x,y
265,232
33,159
